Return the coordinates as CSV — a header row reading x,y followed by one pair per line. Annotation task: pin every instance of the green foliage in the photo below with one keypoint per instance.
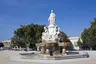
x,y
27,35
89,36
63,37
79,43
17,42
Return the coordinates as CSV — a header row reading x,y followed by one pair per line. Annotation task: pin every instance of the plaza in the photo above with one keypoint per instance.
x,y
47,32
5,59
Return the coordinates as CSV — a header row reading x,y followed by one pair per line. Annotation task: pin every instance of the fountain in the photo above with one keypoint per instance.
x,y
50,38
50,45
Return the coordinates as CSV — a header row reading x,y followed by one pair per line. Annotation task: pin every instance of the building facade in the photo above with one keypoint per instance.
x,y
7,43
74,42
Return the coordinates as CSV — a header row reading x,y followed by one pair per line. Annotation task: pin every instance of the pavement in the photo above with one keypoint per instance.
x,y
5,59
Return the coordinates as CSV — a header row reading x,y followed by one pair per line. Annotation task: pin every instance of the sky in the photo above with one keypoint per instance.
x,y
72,16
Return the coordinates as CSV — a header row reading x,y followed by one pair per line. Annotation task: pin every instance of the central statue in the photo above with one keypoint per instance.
x,y
52,19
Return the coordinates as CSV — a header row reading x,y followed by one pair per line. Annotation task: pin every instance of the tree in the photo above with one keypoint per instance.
x,y
80,43
67,43
63,37
88,36
28,35
17,42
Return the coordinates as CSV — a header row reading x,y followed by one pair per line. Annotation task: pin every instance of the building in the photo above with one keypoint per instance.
x,y
74,42
7,43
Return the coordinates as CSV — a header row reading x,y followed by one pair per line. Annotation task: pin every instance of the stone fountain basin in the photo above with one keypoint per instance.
x,y
70,55
34,57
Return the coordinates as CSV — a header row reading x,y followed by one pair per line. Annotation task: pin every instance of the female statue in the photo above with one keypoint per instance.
x,y
52,18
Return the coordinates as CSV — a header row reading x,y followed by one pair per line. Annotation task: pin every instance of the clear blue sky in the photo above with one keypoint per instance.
x,y
72,15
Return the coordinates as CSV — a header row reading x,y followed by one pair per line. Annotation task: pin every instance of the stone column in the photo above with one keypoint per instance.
x,y
47,51
56,51
37,48
63,51
42,50
20,48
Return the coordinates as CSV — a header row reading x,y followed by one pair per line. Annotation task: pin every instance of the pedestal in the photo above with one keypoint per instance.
x,y
63,51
